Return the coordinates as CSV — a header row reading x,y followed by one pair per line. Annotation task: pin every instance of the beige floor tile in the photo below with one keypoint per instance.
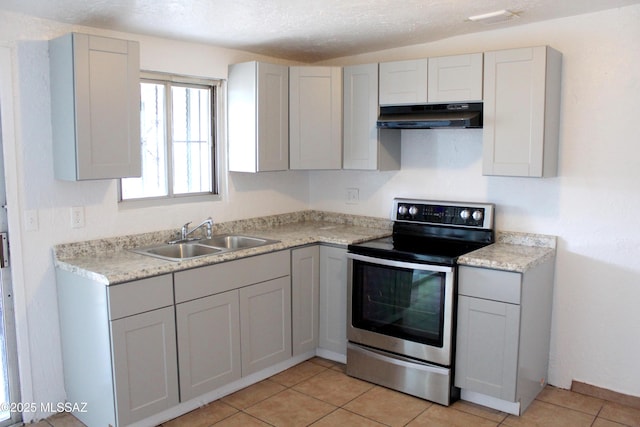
x,y
387,406
441,416
240,420
323,362
203,417
601,422
340,367
344,418
253,394
298,373
620,414
290,408
42,423
571,400
64,419
333,387
481,411
545,414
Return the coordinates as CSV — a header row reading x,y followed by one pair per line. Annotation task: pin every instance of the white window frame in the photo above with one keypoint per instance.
x,y
217,132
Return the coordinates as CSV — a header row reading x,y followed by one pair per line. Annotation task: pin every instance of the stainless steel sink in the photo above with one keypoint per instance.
x,y
179,251
235,241
199,248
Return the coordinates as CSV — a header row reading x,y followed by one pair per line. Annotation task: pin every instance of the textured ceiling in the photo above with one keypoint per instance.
x,y
301,30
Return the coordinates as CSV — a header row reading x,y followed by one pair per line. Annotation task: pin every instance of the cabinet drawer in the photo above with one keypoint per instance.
x,y
497,285
201,282
139,296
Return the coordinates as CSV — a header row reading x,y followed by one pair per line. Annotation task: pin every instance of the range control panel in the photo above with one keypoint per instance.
x,y
460,214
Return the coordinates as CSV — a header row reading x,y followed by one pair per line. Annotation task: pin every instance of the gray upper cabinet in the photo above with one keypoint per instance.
x,y
365,146
258,117
315,117
521,112
95,107
455,78
403,82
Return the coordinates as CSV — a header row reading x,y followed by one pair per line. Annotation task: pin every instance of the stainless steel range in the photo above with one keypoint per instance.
x,y
402,296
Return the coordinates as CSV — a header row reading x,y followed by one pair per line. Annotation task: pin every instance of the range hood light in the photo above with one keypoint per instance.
x,y
496,17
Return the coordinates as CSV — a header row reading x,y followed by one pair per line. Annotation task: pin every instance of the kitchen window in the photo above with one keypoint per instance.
x,y
178,129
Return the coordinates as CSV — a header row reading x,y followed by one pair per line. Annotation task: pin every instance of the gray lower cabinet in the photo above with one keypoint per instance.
x,y
233,318
305,295
144,363
333,299
265,324
209,343
488,336
118,344
503,332
125,346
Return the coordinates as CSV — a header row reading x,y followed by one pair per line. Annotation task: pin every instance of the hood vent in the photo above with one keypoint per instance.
x,y
437,116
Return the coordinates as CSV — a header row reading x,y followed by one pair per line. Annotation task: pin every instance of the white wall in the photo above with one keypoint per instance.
x,y
244,195
593,205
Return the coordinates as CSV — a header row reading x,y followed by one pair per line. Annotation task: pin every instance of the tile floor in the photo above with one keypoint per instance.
x,y
318,393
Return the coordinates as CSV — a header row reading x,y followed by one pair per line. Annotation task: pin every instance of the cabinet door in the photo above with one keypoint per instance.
x,y
364,146
258,117
208,343
265,324
145,364
487,347
403,82
333,299
273,117
315,117
305,293
96,107
521,112
455,78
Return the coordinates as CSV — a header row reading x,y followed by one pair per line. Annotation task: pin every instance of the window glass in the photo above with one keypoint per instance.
x,y
191,110
153,182
177,140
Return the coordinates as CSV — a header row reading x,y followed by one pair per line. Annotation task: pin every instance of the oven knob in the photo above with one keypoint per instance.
x,y
465,214
413,211
402,210
477,215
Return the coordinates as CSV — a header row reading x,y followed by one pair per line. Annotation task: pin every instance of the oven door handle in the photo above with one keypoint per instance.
x,y
400,264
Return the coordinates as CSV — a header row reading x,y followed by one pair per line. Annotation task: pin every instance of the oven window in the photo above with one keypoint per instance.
x,y
399,302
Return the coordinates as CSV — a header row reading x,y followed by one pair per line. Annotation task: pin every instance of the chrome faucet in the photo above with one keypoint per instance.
x,y
185,232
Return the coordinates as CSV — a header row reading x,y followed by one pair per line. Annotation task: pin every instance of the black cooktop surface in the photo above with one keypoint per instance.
x,y
427,251
425,244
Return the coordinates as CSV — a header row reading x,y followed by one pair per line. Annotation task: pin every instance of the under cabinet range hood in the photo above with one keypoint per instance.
x,y
431,116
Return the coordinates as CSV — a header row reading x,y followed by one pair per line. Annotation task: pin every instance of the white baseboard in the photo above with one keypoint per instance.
x,y
490,402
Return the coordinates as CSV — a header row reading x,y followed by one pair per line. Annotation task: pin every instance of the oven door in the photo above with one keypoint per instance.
x,y
401,307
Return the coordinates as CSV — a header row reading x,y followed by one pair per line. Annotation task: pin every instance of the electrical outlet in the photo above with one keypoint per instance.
x,y
31,220
353,196
77,217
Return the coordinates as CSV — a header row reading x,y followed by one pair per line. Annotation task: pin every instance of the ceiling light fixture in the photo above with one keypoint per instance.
x,y
496,17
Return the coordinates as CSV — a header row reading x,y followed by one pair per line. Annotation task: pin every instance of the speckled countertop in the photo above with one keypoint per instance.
x,y
517,252
109,261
